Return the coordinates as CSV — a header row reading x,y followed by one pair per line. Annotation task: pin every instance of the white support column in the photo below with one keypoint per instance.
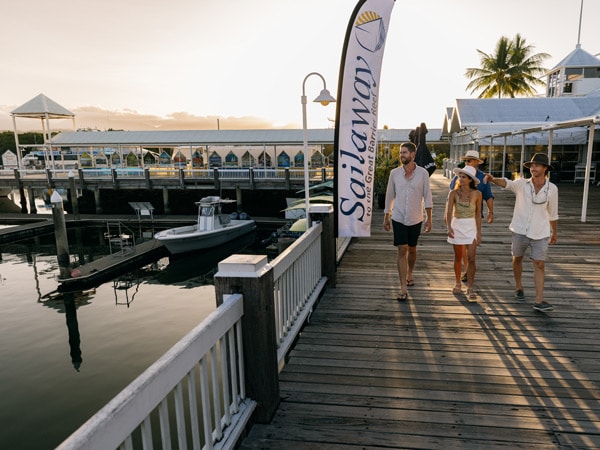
x,y
588,165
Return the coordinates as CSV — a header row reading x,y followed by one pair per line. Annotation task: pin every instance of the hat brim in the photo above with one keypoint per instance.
x,y
457,171
529,163
464,158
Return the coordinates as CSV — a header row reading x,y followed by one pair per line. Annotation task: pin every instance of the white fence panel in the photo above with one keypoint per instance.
x,y
234,174
159,394
297,285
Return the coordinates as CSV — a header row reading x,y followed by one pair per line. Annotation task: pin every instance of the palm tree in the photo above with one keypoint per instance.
x,y
512,70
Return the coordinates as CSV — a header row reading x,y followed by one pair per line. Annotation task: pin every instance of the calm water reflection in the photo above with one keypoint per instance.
x,y
64,356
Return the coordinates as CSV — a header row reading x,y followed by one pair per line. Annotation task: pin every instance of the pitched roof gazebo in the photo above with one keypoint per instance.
x,y
43,108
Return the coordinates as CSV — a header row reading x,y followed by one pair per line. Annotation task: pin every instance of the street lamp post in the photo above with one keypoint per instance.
x,y
324,98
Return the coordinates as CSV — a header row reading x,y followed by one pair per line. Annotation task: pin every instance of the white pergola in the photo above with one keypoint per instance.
x,y
43,108
552,129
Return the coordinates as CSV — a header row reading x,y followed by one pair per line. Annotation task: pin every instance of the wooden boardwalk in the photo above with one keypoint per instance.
x,y
438,371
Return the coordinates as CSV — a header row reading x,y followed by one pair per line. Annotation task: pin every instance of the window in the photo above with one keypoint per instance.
x,y
591,72
574,73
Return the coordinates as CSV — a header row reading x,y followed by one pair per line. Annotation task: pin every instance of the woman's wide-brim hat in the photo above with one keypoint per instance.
x,y
539,158
469,171
472,154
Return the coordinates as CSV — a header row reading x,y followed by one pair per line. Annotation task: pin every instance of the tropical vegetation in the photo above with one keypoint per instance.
x,y
383,166
7,140
512,70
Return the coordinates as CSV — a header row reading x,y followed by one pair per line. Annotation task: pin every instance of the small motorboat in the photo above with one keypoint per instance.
x,y
213,228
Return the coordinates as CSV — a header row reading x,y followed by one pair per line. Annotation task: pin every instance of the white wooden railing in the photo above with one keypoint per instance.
x,y
298,284
167,394
173,172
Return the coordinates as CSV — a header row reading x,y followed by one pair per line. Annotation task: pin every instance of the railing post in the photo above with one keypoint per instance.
x,y
73,196
251,178
324,214
49,178
252,276
115,180
181,178
22,192
288,183
32,207
216,180
81,178
147,178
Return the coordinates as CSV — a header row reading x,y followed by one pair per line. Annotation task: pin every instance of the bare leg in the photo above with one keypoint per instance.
x,y
458,252
471,268
538,279
465,259
517,266
402,267
411,259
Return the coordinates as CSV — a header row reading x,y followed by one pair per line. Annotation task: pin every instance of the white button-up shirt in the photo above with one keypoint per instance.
x,y
533,212
405,196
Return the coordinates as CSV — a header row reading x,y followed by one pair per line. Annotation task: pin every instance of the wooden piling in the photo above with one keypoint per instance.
x,y
73,195
60,234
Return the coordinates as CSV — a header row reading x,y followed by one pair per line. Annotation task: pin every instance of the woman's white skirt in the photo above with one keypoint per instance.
x,y
465,231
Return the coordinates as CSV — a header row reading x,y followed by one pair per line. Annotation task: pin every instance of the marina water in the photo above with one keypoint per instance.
x,y
64,357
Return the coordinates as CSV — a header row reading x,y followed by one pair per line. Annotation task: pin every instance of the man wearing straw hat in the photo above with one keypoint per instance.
x,y
534,223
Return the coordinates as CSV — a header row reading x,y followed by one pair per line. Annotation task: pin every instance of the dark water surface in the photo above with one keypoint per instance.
x,y
64,357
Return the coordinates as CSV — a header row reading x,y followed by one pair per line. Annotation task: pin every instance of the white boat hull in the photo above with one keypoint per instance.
x,y
188,238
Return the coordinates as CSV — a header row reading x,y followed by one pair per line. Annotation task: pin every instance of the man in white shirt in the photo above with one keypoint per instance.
x,y
408,190
534,223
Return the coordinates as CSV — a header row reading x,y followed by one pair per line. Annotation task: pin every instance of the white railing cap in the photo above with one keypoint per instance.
x,y
320,208
243,266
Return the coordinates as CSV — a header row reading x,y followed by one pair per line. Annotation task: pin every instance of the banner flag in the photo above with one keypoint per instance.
x,y
356,116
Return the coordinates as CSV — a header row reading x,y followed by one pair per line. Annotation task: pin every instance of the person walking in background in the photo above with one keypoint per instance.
x,y
408,190
463,218
471,158
534,223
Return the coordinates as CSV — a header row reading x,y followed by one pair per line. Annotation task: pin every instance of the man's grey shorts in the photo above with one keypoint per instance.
x,y
538,247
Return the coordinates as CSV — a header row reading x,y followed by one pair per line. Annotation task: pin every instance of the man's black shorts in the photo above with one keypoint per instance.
x,y
404,234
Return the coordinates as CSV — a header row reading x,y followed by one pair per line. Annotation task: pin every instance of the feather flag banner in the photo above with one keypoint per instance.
x,y
356,116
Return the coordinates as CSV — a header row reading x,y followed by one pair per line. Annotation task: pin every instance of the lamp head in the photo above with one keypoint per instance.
x,y
324,98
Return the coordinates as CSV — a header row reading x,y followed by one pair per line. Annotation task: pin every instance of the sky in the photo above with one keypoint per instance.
x,y
240,64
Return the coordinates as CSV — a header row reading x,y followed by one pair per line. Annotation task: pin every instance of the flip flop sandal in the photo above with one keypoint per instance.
x,y
403,297
410,282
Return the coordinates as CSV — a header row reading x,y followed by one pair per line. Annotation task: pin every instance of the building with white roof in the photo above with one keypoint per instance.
x,y
507,131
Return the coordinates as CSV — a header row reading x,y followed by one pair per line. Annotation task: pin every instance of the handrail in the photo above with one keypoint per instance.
x,y
297,285
173,172
118,238
214,348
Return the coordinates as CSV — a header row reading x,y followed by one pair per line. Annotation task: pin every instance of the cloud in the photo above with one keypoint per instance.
x,y
94,117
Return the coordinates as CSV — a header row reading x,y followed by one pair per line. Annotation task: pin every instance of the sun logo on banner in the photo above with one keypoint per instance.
x,y
370,31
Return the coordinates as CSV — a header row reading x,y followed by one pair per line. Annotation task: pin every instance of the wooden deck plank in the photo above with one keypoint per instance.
x,y
439,371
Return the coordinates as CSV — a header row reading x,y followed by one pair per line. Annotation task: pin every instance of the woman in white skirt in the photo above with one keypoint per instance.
x,y
463,217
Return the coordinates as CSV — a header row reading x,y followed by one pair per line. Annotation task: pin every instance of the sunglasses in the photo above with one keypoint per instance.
x,y
541,197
